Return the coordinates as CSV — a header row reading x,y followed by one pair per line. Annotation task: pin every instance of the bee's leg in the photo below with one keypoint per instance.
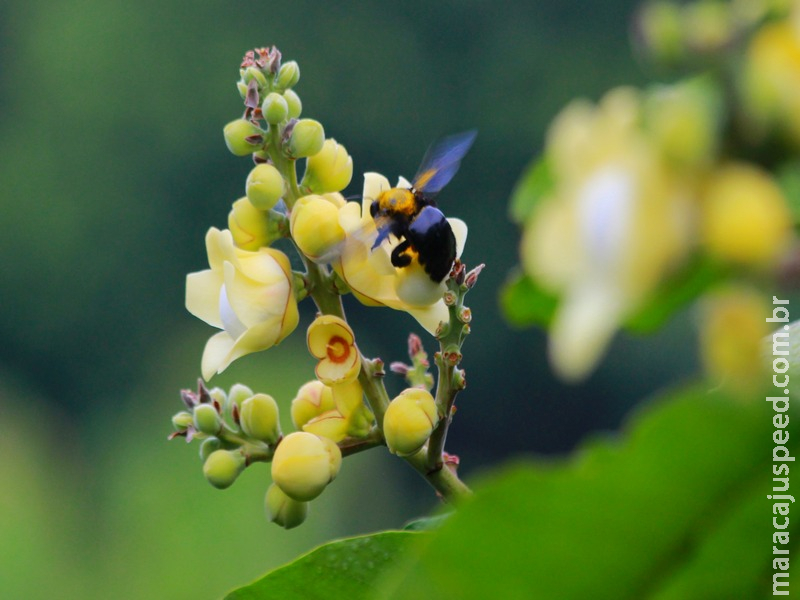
x,y
399,257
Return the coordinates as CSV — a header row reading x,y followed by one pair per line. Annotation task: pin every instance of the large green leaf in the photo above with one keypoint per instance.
x,y
345,569
675,508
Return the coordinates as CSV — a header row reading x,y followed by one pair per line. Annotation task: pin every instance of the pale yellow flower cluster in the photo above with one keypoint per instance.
x,y
638,188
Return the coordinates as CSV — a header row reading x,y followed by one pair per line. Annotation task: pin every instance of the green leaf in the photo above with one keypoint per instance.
x,y
427,523
675,293
524,303
344,569
675,508
535,183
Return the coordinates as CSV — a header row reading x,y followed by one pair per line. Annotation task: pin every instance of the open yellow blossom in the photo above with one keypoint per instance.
x,y
249,295
615,223
331,340
369,272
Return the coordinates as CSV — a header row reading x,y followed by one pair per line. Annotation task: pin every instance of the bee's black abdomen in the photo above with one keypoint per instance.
x,y
432,237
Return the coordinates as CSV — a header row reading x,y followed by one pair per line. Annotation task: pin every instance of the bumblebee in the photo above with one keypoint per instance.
x,y
411,214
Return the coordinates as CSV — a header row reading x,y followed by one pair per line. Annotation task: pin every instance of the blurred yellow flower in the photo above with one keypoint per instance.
x,y
370,274
615,223
732,332
745,217
249,295
771,80
332,342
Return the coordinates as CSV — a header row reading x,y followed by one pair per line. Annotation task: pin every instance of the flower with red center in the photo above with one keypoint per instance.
x,y
331,340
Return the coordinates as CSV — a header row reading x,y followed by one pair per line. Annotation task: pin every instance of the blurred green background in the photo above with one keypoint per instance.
x,y
113,166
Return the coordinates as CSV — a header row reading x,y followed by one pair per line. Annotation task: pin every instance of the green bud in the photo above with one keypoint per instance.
x,y
219,395
207,419
264,186
208,446
236,134
275,108
307,138
289,75
293,101
222,467
238,394
254,73
259,418
182,420
242,87
283,510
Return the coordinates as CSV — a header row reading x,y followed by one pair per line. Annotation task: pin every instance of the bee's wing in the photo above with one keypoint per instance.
x,y
441,162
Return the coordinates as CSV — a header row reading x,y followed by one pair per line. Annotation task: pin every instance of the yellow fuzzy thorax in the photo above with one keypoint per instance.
x,y
398,200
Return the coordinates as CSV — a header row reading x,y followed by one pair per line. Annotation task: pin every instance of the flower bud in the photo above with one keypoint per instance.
x,y
238,394
289,75
283,510
313,399
236,137
259,418
222,467
264,186
307,138
208,446
315,228
274,108
249,226
329,170
745,216
304,464
242,87
182,420
294,103
254,73
409,421
207,419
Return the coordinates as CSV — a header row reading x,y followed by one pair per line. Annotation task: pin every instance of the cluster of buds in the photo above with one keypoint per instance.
x,y
651,188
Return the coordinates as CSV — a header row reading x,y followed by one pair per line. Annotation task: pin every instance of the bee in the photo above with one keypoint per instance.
x,y
411,214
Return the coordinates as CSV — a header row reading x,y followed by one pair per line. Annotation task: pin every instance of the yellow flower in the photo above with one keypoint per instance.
x,y
350,417
249,295
409,421
315,228
733,329
248,225
304,464
771,82
329,170
331,340
746,219
370,274
615,223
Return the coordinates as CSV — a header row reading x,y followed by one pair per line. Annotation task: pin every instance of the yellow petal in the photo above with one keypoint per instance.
x,y
583,327
214,355
323,330
202,296
331,425
460,232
